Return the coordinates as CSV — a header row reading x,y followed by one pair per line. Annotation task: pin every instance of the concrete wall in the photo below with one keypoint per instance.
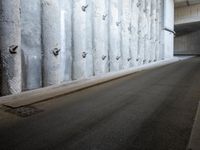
x,y
187,14
67,40
188,44
187,23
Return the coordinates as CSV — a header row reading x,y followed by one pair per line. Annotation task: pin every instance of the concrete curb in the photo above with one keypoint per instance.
x,y
43,94
194,143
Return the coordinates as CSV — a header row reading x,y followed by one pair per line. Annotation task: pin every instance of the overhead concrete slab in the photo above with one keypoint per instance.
x,y
182,3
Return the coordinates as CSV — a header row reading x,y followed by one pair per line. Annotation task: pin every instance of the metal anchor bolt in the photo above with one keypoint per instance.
x,y
129,59
138,4
56,51
84,8
118,57
104,17
84,55
118,23
13,49
130,28
104,57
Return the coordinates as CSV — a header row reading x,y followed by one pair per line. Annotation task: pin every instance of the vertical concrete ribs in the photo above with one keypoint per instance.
x,y
73,40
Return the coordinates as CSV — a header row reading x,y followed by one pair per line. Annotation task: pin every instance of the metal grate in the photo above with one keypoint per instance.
x,y
26,111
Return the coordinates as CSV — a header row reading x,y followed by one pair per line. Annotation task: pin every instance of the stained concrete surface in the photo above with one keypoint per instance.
x,y
150,110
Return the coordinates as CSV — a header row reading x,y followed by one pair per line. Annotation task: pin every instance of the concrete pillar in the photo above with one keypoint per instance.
x,y
100,36
31,44
51,42
125,36
10,47
134,28
66,39
114,35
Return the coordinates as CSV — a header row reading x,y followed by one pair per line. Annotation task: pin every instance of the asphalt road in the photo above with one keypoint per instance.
x,y
150,110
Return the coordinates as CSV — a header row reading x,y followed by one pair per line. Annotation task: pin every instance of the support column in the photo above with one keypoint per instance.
x,y
114,35
10,47
100,36
51,42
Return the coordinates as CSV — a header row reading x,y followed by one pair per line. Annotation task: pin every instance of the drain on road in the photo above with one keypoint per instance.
x,y
26,111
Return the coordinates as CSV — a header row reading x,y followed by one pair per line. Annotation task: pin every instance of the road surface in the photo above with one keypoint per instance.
x,y
149,110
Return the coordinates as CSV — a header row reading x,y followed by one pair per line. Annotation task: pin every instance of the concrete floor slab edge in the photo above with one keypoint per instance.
x,y
194,143
43,94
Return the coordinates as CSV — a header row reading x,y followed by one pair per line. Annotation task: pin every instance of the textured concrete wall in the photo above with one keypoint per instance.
x,y
10,47
31,43
100,42
114,35
134,33
188,44
67,40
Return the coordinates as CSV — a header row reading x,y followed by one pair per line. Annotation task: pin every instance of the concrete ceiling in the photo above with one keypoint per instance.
x,y
182,3
187,28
